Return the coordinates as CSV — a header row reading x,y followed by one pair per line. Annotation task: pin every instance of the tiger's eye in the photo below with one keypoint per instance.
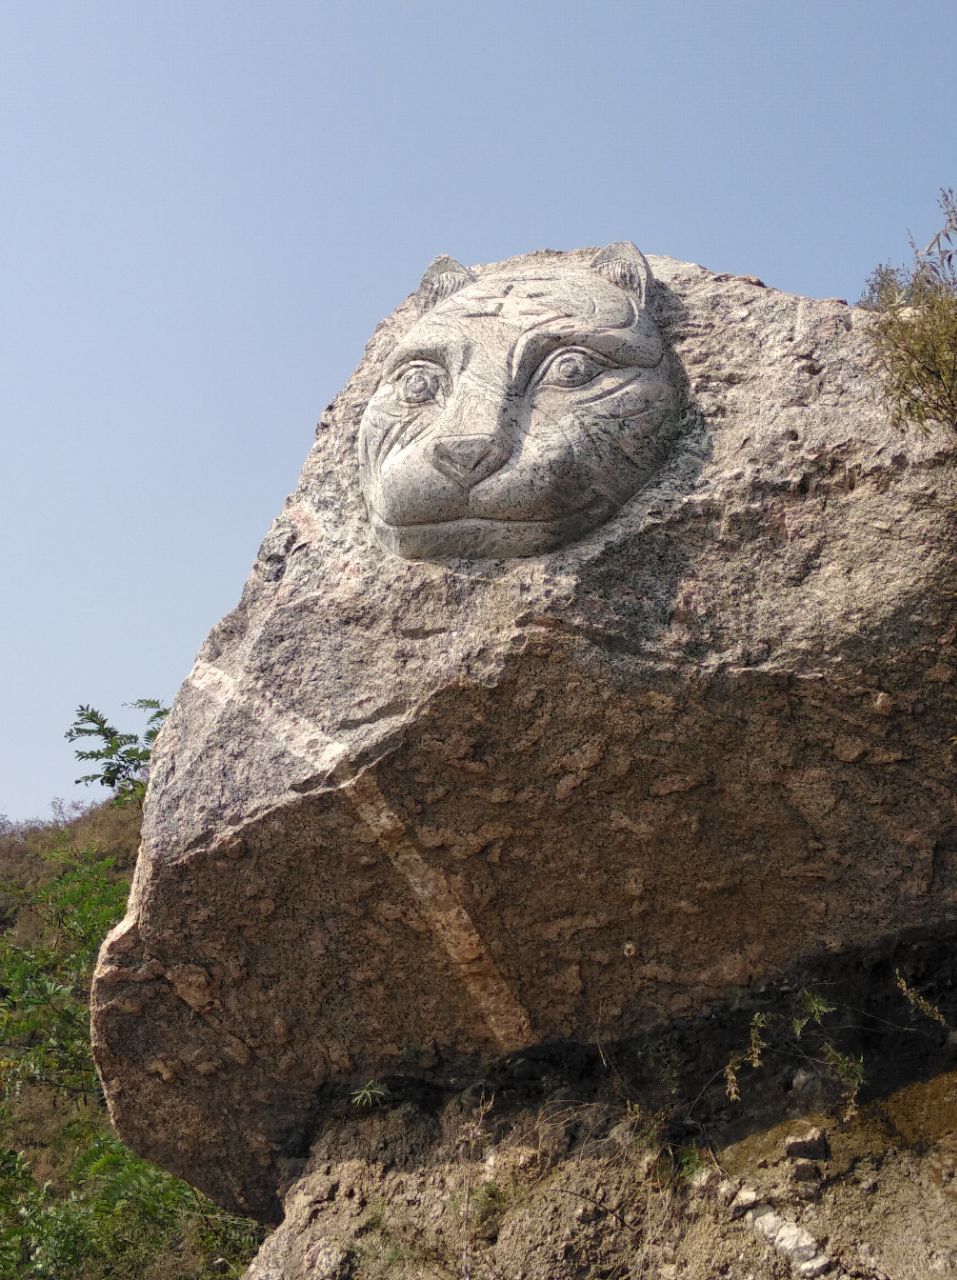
x,y
569,369
418,385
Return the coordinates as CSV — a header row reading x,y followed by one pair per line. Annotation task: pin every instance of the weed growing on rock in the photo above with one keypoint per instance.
x,y
814,1008
752,1056
470,1135
788,1036
849,1070
918,1001
690,1162
369,1095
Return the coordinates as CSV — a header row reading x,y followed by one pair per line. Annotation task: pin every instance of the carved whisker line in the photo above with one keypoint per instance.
x,y
615,448
561,425
393,434
408,435
379,443
412,436
385,443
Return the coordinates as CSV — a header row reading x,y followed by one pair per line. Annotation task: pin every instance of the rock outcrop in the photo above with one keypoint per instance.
x,y
692,726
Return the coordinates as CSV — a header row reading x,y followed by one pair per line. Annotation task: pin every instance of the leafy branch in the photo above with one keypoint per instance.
x,y
123,758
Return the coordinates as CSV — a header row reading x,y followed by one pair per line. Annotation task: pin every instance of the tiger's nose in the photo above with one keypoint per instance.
x,y
468,460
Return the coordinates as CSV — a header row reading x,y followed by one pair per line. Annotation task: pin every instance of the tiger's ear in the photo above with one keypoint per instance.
x,y
443,277
626,266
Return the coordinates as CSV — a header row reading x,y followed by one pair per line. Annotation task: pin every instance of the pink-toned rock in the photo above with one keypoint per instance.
x,y
430,812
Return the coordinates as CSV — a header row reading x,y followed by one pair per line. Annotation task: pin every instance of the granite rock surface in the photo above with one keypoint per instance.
x,y
408,814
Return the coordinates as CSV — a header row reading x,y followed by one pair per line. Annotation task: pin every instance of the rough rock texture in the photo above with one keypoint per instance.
x,y
406,815
609,1206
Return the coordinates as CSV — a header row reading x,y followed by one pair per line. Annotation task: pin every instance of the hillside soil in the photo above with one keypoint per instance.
x,y
835,1155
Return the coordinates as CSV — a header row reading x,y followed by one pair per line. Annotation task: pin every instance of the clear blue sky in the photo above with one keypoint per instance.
x,y
206,206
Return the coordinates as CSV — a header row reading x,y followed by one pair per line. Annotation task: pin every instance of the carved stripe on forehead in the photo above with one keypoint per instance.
x,y
517,300
537,313
553,330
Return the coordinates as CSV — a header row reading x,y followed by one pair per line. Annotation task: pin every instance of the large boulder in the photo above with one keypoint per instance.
x,y
602,663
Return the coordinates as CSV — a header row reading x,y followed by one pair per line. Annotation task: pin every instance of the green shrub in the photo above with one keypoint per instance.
x,y
915,330
44,1035
118,1217
103,1214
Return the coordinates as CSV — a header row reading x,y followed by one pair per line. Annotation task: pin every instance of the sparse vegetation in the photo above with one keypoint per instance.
x,y
915,330
469,1136
818,1035
918,1001
75,1203
752,1056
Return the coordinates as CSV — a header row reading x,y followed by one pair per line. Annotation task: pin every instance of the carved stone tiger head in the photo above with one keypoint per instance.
x,y
520,412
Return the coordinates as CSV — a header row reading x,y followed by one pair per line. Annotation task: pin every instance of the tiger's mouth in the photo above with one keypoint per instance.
x,y
597,508
469,537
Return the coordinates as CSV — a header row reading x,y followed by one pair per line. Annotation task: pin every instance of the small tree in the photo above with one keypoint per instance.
x,y
123,758
915,332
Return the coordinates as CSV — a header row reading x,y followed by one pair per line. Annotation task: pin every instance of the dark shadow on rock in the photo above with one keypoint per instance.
x,y
835,1033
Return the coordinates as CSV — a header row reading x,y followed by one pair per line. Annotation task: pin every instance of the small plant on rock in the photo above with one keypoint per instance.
x,y
918,1001
751,1056
803,1035
369,1095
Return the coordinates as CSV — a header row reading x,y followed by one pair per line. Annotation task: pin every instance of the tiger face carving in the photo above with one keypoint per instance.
x,y
520,412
